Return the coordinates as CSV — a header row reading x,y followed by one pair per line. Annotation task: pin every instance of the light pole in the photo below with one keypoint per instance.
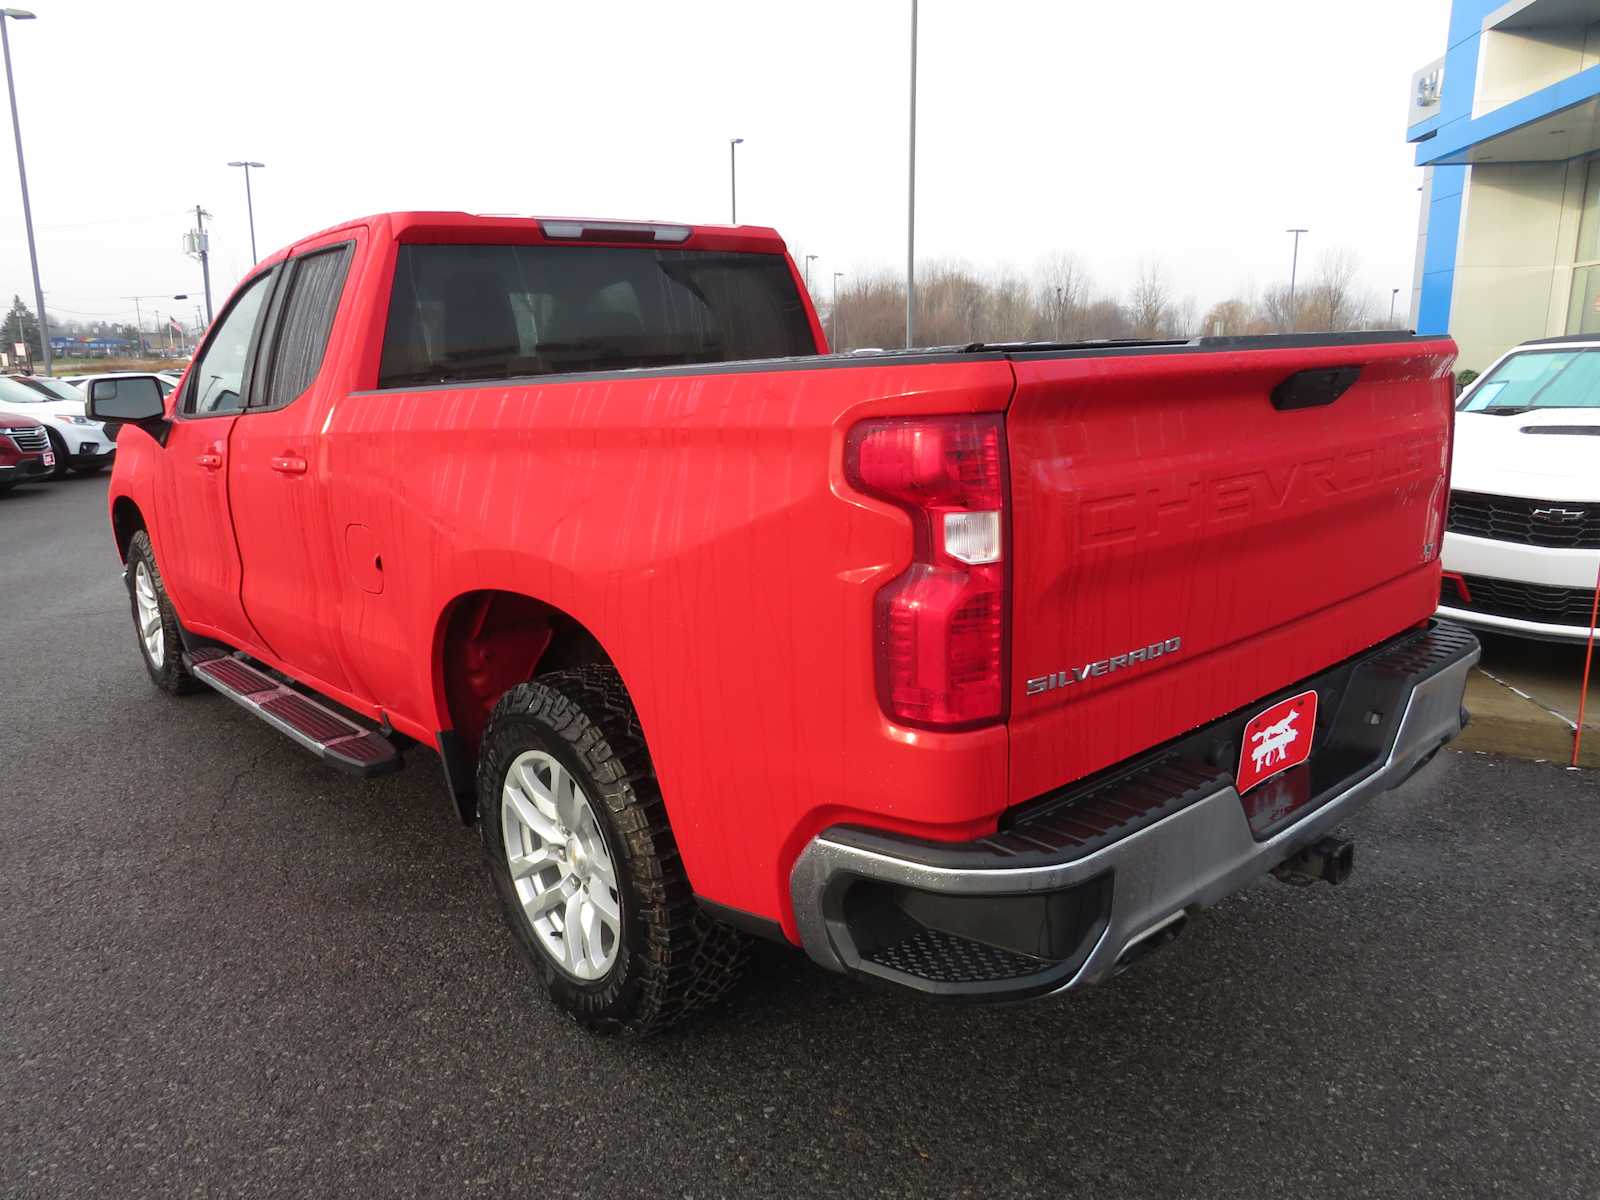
x,y
1393,296
249,204
20,14
833,314
810,258
911,193
733,175
1294,265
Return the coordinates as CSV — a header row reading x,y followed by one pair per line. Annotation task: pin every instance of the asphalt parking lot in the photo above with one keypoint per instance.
x,y
225,969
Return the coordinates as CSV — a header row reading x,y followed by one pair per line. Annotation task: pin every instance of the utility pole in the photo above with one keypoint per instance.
x,y
138,316
199,245
833,315
17,14
733,176
1294,264
911,194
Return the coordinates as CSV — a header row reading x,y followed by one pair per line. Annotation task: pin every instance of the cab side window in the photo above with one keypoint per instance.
x,y
216,382
298,338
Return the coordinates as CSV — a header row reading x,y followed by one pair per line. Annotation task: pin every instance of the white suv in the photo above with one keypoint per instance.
x,y
1522,545
80,444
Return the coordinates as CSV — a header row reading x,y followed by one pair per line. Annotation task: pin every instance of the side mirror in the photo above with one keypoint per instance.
x,y
131,398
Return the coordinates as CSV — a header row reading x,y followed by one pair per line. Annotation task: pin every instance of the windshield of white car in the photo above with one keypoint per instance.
x,y
1535,379
53,389
13,391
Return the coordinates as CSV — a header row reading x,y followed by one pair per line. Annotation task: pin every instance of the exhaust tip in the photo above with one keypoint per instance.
x,y
1152,939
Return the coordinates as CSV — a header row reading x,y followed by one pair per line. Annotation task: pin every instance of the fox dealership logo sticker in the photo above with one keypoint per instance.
x,y
1277,739
1104,666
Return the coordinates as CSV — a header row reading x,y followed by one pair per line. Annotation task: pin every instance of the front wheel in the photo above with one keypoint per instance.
x,y
59,446
584,861
155,621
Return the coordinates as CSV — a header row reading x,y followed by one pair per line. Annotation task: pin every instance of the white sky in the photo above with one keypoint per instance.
x,y
1189,132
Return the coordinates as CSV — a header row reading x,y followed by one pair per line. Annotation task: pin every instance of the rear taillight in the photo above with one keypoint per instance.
x,y
940,627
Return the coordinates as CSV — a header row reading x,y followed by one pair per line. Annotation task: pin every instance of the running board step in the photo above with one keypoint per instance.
x,y
329,735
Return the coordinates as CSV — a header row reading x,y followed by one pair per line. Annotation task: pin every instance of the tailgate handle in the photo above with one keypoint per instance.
x,y
1314,388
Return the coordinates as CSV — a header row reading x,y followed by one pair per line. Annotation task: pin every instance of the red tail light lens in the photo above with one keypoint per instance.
x,y
941,625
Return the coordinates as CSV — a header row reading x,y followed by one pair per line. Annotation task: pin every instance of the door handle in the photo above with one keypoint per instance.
x,y
289,464
208,460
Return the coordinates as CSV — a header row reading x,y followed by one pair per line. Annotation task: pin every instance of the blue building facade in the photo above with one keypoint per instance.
x,y
1506,125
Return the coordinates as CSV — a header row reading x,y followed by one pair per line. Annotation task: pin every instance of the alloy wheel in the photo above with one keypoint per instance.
x,y
563,873
149,612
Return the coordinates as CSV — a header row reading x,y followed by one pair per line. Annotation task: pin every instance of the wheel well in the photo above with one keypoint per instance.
x,y
495,640
126,520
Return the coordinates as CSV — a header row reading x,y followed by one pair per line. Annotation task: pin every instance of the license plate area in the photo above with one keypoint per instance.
x,y
1276,739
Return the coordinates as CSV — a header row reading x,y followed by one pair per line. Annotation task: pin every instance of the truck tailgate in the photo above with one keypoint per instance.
x,y
1183,545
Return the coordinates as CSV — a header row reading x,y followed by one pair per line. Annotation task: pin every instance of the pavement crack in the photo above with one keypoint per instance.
x,y
233,786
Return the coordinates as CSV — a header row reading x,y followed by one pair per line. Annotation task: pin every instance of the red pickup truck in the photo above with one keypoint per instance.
x,y
972,670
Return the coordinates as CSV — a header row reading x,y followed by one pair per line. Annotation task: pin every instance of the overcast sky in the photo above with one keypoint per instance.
x,y
1189,133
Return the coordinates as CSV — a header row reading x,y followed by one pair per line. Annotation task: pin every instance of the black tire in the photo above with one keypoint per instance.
x,y
672,958
170,675
91,469
58,471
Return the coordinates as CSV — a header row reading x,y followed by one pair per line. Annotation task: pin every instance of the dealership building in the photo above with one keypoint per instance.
x,y
1507,127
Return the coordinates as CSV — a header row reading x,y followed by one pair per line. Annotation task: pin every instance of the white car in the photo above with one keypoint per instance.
x,y
168,380
80,444
1522,544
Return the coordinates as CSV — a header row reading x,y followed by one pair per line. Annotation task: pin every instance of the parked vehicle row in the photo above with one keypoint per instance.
x,y
53,434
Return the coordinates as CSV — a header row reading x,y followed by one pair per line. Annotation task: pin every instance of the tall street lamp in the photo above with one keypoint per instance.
x,y
810,258
249,204
19,14
733,175
833,314
1294,264
1393,296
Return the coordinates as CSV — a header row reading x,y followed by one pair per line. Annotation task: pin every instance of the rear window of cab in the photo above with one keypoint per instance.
x,y
461,313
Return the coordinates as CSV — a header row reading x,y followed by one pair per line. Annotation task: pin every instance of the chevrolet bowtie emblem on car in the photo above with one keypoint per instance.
x,y
1104,666
1564,516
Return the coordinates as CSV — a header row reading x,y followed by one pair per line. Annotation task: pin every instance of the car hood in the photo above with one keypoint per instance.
x,y
63,408
15,420
1547,455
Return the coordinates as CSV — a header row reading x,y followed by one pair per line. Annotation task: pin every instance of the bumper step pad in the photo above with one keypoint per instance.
x,y
938,956
329,735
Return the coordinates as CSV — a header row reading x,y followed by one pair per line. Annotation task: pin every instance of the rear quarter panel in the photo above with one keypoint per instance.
x,y
698,524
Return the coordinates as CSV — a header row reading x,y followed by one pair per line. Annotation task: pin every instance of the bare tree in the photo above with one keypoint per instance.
x,y
1274,309
1063,294
1331,302
1149,305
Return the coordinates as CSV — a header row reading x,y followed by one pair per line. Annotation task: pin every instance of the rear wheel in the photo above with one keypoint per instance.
x,y
155,622
584,861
